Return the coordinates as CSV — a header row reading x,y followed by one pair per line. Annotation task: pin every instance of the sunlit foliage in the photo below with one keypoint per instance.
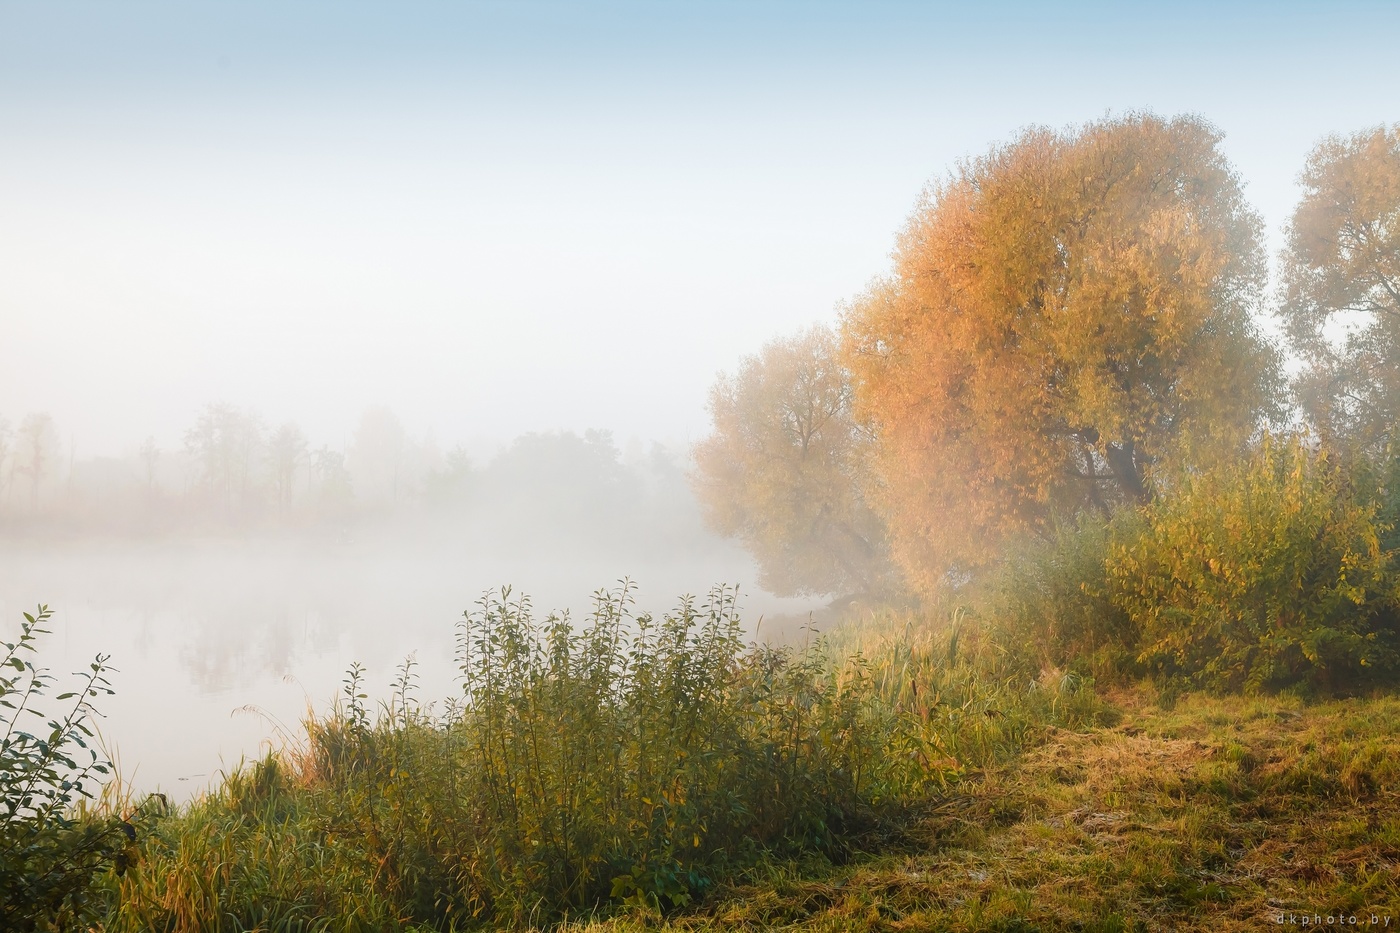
x,y
1341,286
785,470
1270,571
1063,311
1264,573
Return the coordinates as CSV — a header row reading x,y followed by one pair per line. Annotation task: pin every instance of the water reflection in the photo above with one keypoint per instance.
x,y
221,647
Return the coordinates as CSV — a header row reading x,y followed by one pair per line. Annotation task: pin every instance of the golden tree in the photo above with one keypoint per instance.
x,y
1063,314
783,471
1341,293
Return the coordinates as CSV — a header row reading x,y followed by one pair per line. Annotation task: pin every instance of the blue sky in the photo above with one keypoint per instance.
x,y
504,217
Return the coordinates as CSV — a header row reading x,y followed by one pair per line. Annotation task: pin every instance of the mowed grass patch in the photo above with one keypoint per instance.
x,y
1232,812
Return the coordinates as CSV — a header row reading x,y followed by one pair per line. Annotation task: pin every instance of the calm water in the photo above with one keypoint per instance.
x,y
222,646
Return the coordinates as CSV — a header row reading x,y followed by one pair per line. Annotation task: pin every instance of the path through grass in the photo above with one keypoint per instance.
x,y
1222,814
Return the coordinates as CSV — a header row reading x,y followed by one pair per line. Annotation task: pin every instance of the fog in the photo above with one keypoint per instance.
x,y
222,646
229,606
318,320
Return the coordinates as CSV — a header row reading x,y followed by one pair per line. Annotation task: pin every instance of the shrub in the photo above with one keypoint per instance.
x,y
1051,605
1261,574
630,760
50,855
633,760
1384,475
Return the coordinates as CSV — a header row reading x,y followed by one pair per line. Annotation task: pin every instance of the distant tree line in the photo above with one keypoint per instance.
x,y
232,471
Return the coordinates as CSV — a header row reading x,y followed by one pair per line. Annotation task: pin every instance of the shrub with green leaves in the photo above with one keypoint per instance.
x,y
1264,573
626,760
1383,474
50,855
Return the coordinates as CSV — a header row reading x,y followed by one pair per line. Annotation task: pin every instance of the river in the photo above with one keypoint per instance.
x,y
221,647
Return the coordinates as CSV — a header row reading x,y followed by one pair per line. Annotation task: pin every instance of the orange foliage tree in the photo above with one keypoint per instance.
x,y
783,471
1063,314
1341,291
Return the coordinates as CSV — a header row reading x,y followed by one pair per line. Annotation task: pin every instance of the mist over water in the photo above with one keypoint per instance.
x,y
226,618
220,645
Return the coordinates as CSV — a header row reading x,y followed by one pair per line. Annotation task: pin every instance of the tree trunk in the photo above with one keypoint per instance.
x,y
1123,463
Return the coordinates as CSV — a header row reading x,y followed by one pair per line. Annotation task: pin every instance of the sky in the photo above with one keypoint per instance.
x,y
495,218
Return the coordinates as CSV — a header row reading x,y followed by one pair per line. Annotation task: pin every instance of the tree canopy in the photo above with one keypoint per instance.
x,y
784,470
1063,314
1341,286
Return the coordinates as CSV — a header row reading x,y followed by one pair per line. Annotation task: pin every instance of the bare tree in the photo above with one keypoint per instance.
x,y
286,449
150,454
224,443
38,447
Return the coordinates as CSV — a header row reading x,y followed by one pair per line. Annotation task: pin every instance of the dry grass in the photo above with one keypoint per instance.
x,y
1228,812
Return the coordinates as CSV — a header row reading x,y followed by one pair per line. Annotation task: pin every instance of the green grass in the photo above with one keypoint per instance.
x,y
1219,812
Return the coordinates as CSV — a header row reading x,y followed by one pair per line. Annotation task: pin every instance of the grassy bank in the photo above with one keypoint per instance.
x,y
1220,813
1050,809
638,773
630,767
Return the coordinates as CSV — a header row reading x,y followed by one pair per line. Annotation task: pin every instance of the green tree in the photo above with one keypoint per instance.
x,y
1262,573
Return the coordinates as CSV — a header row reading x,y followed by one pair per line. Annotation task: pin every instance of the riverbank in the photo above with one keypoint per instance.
x,y
1228,814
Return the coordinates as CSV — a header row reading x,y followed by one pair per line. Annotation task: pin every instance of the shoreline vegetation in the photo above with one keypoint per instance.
x,y
1178,713
638,773
631,764
1120,634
